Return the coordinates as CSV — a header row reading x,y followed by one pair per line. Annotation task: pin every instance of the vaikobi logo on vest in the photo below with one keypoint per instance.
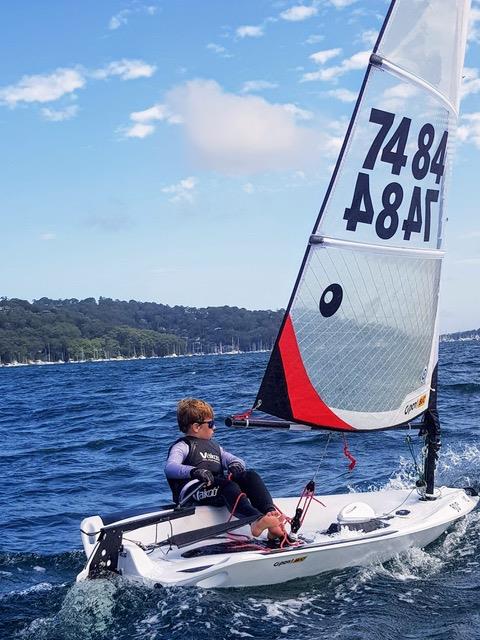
x,y
209,457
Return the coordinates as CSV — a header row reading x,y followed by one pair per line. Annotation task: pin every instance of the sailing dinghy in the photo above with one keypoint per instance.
x,y
358,347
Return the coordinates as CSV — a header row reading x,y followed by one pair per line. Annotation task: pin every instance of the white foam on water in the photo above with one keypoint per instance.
x,y
459,461
242,634
462,539
278,608
38,628
39,569
284,614
414,564
151,620
287,628
41,586
455,462
86,612
35,588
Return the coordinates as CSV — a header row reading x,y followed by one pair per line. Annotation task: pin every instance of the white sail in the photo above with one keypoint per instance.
x,y
358,346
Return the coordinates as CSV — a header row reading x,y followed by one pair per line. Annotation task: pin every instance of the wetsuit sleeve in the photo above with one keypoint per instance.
x,y
174,467
228,458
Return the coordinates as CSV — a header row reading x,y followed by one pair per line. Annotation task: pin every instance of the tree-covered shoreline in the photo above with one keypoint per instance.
x,y
48,330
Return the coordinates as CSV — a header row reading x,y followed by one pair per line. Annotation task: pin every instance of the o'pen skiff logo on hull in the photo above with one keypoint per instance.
x,y
418,404
291,561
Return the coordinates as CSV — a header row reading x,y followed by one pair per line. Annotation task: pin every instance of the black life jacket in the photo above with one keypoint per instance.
x,y
204,454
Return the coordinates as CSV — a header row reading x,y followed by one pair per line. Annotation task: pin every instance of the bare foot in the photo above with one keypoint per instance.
x,y
278,531
268,521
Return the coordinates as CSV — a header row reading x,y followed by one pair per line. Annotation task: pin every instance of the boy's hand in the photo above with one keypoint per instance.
x,y
203,475
235,469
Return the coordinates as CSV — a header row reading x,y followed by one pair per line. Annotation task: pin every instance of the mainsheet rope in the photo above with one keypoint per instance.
x,y
308,494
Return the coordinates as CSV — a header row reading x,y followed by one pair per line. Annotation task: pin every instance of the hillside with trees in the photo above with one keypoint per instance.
x,y
52,330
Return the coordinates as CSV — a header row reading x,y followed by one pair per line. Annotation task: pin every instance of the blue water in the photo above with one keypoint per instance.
x,y
90,438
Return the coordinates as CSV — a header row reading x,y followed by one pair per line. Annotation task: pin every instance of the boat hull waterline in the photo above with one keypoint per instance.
x,y
405,522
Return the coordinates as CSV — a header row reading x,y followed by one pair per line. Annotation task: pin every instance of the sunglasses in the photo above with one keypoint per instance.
x,y
211,423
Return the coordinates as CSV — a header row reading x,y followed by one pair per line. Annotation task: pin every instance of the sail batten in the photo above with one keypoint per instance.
x,y
357,349
387,65
363,246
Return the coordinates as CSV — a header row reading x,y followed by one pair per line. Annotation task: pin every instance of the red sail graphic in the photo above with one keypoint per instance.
x,y
307,406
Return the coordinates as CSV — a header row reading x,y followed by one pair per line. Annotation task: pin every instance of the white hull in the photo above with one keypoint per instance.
x,y
165,566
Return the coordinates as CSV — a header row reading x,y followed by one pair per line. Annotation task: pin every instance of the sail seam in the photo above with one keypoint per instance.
x,y
377,61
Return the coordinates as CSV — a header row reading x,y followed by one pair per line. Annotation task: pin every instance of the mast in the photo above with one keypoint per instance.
x,y
432,431
358,346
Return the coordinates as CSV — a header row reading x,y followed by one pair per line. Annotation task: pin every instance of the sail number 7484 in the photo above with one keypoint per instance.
x,y
426,160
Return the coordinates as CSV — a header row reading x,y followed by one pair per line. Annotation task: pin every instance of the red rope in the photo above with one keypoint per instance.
x,y
347,454
243,416
235,505
239,536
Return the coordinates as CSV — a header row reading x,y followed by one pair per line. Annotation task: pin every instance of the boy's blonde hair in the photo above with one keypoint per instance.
x,y
191,410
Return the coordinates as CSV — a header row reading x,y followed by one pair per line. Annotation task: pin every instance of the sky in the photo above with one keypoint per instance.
x,y
178,151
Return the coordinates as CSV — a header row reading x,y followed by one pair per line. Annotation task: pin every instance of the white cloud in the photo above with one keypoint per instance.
x,y
183,191
299,114
143,121
394,99
47,236
59,115
249,32
339,4
157,112
344,95
473,32
125,69
314,39
469,129
470,82
219,50
121,18
357,61
369,37
248,188
258,85
139,130
42,88
243,134
298,13
320,57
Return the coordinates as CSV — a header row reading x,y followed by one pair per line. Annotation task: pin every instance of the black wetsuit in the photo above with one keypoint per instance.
x,y
207,454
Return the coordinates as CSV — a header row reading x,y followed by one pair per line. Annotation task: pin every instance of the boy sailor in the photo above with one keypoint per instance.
x,y
227,481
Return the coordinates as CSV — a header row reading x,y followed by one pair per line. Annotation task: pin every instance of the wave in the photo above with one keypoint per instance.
x,y
463,388
29,562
